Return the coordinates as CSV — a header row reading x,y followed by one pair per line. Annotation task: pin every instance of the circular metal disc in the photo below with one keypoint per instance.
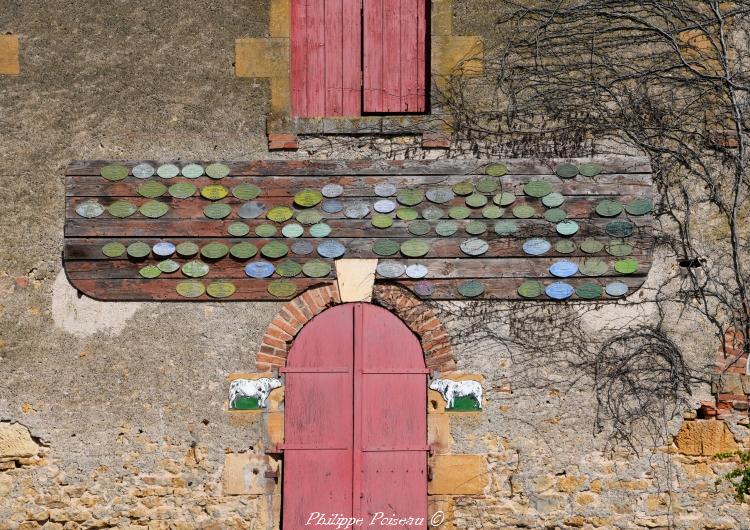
x,y
192,171
440,195
424,289
168,266
537,188
410,196
302,248
89,209
385,190
282,289
593,267
589,169
220,289
380,220
567,171
251,210
114,172
187,249
414,248
168,171
432,213
486,185
217,211
143,171
591,246
331,249
385,206
559,291
416,271
246,192
280,214
496,170
619,249
358,210
504,199
274,250
531,289
332,190
553,200
492,212
153,209
617,289
475,247
566,228
217,171
190,289
150,271
555,215
471,288
407,214
565,246
476,200
214,192
419,228
609,208
626,266
459,212
259,269
308,198
463,188
316,269
214,251
589,291
195,269
265,230
164,249
524,211
563,269
320,230
385,247
182,190
238,229
639,206
309,217
446,228
332,206
475,228
113,250
391,269
506,227
288,269
620,228
121,209
151,189
292,230
536,246
243,250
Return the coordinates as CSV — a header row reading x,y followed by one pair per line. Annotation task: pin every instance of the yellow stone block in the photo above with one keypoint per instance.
x,y
245,474
440,512
571,483
281,95
275,427
261,57
457,56
9,62
704,438
442,17
279,19
439,433
458,475
356,278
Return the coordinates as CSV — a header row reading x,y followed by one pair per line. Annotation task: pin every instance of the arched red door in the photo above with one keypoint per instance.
x,y
355,422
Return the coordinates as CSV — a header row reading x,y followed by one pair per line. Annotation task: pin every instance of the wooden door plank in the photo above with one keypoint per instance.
x,y
299,57
352,58
373,55
334,57
316,58
392,55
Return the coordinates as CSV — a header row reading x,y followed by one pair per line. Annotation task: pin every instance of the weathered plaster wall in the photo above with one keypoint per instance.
x,y
114,414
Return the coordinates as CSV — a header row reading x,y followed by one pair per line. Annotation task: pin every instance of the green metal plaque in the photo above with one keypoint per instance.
x,y
190,289
221,289
246,192
214,250
153,209
217,210
115,172
214,192
182,190
243,250
151,189
121,209
195,269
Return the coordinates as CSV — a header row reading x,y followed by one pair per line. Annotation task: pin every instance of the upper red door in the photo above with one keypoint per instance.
x,y
355,419
336,71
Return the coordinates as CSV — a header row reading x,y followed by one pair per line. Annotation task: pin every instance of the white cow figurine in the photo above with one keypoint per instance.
x,y
450,390
253,388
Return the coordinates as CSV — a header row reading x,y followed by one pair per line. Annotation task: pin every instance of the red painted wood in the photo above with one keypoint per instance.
x,y
352,436
326,62
318,416
395,56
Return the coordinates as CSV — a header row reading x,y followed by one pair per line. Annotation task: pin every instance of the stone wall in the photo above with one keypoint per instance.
x,y
113,415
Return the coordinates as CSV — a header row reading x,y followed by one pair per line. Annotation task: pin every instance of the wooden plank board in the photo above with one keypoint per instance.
x,y
500,269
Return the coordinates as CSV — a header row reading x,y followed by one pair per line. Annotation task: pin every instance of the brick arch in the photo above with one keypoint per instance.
x,y
294,314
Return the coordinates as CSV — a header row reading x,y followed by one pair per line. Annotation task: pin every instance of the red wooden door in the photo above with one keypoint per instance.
x,y
355,419
395,55
326,58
